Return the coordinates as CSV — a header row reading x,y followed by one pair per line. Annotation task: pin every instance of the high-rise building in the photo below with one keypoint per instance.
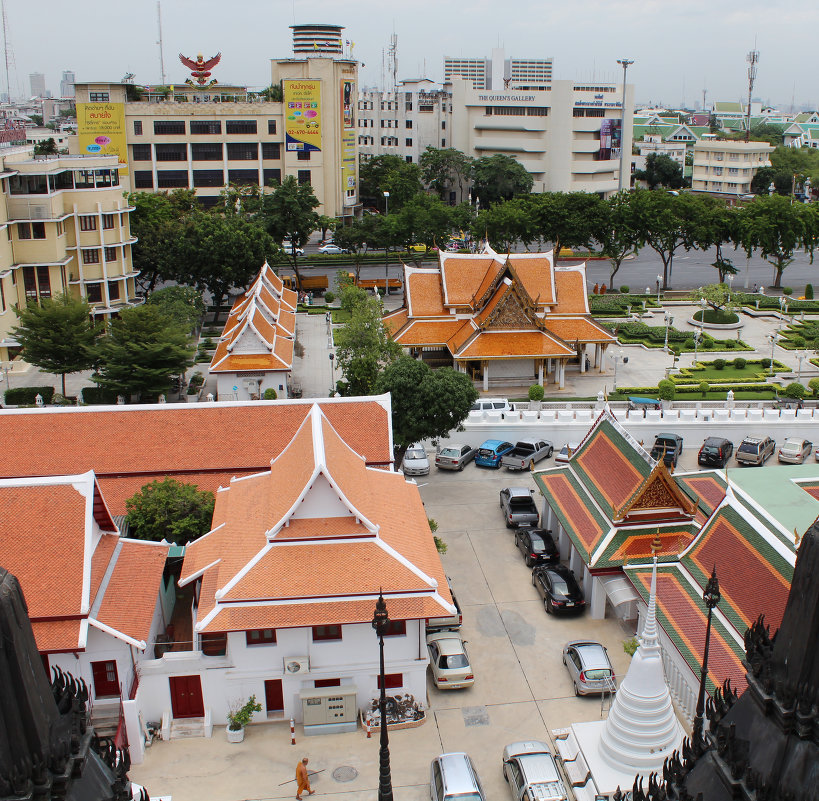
x,y
37,81
67,84
499,72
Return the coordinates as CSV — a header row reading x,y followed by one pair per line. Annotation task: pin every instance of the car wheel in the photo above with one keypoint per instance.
x,y
460,467
548,605
529,562
549,454
533,580
576,692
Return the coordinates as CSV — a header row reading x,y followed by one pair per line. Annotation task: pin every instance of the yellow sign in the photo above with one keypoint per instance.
x,y
302,110
348,161
101,129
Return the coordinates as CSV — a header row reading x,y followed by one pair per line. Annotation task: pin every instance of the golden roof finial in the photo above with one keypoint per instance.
x,y
656,544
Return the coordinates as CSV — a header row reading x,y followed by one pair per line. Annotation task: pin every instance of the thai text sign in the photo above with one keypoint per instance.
x,y
302,114
101,129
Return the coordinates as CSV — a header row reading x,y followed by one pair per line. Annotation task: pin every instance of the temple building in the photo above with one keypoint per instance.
x,y
505,320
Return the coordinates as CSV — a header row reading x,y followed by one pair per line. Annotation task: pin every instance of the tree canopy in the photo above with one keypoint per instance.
x,y
446,170
58,335
426,403
170,510
142,350
499,177
183,304
661,170
391,174
617,232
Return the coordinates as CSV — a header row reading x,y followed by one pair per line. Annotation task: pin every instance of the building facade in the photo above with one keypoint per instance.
x,y
67,84
67,230
38,86
566,134
417,115
206,137
728,167
499,72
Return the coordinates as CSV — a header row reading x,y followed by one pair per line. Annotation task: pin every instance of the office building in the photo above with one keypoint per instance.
x,y
38,87
499,72
207,136
67,230
727,168
67,84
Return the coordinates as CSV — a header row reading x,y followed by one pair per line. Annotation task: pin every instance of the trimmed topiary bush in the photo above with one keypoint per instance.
x,y
703,387
813,384
795,390
719,364
666,390
808,291
766,363
740,363
329,296
728,344
624,289
23,396
536,392
787,290
97,396
799,342
689,344
270,394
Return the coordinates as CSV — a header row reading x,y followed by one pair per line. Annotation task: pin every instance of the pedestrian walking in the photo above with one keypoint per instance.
x,y
302,779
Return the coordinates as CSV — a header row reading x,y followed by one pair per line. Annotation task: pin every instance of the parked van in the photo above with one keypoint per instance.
x,y
501,405
452,776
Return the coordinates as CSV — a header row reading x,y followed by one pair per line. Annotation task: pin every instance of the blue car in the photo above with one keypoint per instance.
x,y
491,453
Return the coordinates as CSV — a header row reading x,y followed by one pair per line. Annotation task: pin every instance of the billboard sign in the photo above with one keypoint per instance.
x,y
611,137
348,100
302,111
101,130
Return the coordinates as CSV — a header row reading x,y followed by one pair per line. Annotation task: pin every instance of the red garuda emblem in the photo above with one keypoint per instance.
x,y
200,69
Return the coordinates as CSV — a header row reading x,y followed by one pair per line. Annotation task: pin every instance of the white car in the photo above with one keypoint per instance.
x,y
449,661
794,451
332,249
531,772
566,452
287,248
415,461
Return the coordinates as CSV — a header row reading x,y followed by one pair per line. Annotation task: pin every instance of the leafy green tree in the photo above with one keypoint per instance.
x,y
183,304
170,510
661,170
221,252
273,93
391,174
289,215
499,177
426,403
716,226
616,231
359,236
446,170
141,351
717,296
244,199
568,219
424,219
776,228
363,345
506,223
48,147
58,335
325,224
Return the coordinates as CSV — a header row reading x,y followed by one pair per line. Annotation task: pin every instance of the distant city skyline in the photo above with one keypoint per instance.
x,y
677,49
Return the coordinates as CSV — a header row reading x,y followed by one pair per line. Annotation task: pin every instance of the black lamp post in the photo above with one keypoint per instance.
x,y
380,623
711,597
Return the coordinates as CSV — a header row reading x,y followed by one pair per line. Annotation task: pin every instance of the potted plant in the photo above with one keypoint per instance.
x,y
239,716
194,387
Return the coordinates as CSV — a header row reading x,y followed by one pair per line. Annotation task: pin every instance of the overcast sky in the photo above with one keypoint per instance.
x,y
678,48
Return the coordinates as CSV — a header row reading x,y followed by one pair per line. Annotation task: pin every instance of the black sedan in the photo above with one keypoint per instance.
x,y
559,588
536,545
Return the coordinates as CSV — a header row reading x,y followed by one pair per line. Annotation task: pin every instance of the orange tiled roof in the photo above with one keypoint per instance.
x,y
424,294
396,320
99,561
463,275
504,344
250,361
428,332
56,635
578,329
535,273
571,291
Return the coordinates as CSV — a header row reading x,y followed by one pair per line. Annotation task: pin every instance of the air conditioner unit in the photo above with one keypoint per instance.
x,y
40,212
295,665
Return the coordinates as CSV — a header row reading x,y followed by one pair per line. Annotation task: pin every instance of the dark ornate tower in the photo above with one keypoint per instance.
x,y
47,750
763,746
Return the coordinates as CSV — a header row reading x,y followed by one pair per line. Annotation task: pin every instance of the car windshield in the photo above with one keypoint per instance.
x,y
748,447
452,453
415,453
795,447
598,673
457,661
465,796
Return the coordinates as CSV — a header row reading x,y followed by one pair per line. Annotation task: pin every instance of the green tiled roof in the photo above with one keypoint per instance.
x,y
733,125
723,106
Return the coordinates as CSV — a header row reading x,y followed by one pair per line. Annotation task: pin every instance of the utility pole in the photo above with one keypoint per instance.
x,y
161,53
624,63
6,51
753,59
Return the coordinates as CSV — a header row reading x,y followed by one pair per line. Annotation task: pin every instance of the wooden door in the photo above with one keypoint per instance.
x,y
186,697
273,695
106,680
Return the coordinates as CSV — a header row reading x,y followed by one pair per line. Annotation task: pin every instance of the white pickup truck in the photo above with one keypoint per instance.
x,y
526,452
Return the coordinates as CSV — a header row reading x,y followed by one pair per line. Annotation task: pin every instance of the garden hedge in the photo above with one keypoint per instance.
x,y
24,396
97,396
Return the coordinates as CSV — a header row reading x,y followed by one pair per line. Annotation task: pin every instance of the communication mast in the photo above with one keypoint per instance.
x,y
6,51
161,53
753,59
392,62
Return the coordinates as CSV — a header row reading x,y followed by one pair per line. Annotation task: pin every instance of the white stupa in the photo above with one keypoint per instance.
x,y
641,729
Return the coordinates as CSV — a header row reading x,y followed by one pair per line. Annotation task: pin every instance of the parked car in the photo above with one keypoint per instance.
x,y
715,452
526,453
454,457
530,769
518,506
589,666
559,589
332,249
794,450
452,777
370,210
450,623
491,452
449,661
668,448
536,545
420,247
287,247
415,462
755,450
565,453
492,405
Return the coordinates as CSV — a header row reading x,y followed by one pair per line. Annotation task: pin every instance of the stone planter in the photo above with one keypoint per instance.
x,y
192,398
235,736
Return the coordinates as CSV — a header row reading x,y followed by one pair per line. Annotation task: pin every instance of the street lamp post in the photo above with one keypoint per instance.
x,y
332,373
386,249
711,597
659,281
624,63
669,320
801,355
380,623
617,357
773,337
730,286
697,338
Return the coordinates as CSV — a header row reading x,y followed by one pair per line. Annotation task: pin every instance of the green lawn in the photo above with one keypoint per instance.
x,y
750,372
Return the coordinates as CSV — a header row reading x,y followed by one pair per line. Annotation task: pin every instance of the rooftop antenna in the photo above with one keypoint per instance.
x,y
793,98
753,59
161,54
6,50
704,93
392,62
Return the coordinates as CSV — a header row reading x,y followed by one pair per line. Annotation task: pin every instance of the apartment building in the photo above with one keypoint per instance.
x,y
727,168
417,115
567,134
499,72
64,227
206,137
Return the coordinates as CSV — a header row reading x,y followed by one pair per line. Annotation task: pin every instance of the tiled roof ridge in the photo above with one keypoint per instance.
x,y
659,472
